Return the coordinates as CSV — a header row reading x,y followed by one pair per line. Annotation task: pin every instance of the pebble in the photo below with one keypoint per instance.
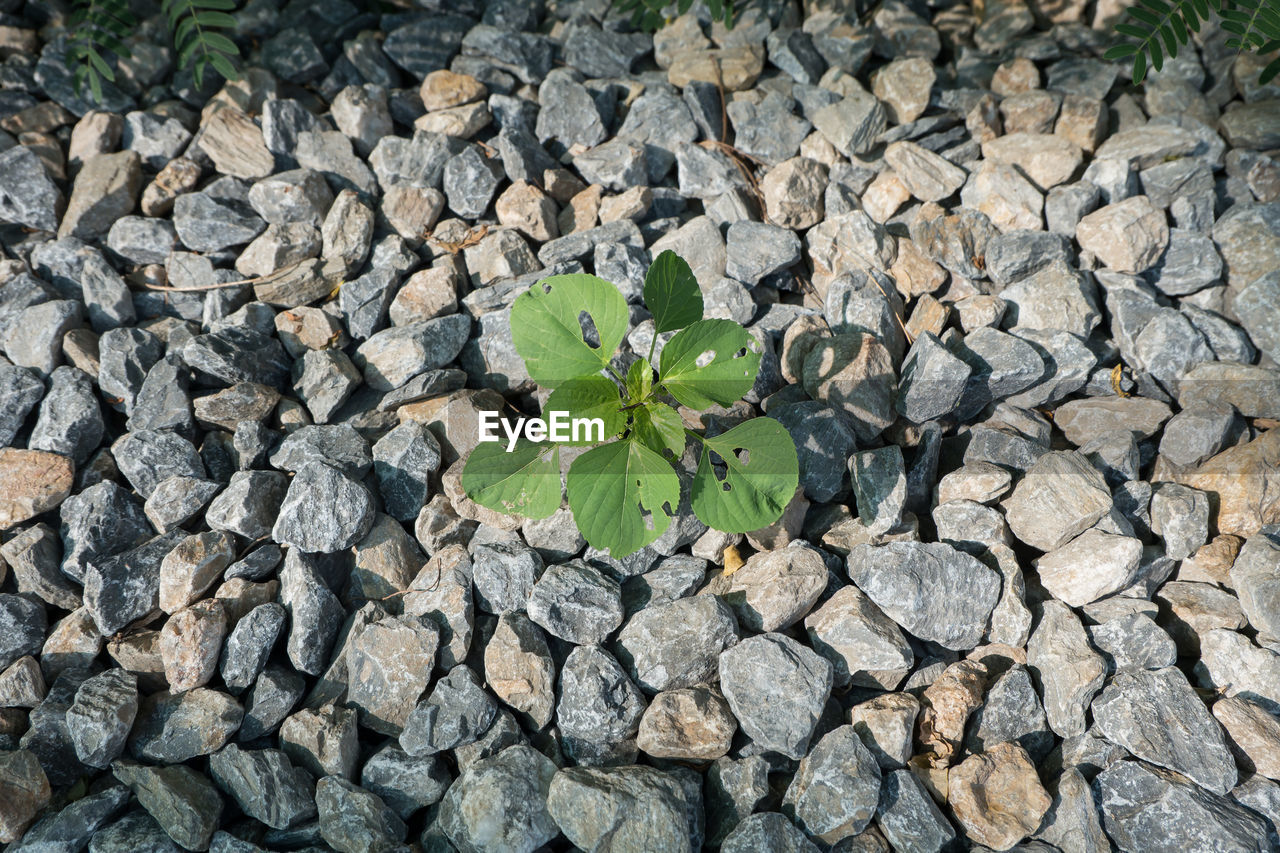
x,y
776,689
678,644
620,808
501,800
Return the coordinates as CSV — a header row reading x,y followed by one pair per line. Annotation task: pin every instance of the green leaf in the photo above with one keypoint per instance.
x,y
1139,67
219,42
589,397
547,334
621,495
1270,71
754,492
658,427
1120,51
215,19
224,66
639,381
525,481
671,293
711,361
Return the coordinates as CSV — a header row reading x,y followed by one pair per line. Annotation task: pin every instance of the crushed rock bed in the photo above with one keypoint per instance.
x,y
1021,318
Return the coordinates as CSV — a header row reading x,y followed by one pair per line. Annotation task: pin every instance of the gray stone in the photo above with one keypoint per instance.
x,y
405,783
505,575
1001,365
34,339
1070,672
767,831
265,784
777,689
620,808
100,718
1010,713
249,505
569,114
148,457
1144,807
908,816
756,250
575,602
1135,641
767,130
773,589
323,510
393,356
933,381
315,613
879,487
823,444
853,124
904,579
598,705
70,420
1061,496
353,820
27,194
677,644
836,789
125,587
249,645
183,802
457,712
500,802
1255,575
864,646
1256,306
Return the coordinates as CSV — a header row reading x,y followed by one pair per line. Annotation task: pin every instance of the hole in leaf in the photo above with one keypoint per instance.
x,y
726,486
546,288
740,353
590,335
705,358
744,455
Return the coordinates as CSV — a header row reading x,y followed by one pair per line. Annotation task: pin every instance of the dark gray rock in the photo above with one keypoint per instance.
x,y
249,505
20,391
183,801
353,820
273,696
905,580
403,462
323,510
500,801
125,587
621,808
575,602
100,522
1144,807
27,195
249,645
823,444
315,614
836,788
236,354
776,689
405,783
207,223
102,715
22,628
908,817
504,575
678,644
70,420
599,707
457,713
337,445
428,43
148,457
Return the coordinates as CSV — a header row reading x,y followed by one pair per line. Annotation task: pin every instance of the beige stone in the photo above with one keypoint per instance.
x,y
885,195
914,273
582,212
905,86
1128,236
774,589
946,705
235,144
631,204
425,295
412,211
527,209
193,566
190,644
24,791
793,192
519,669
1083,120
444,89
928,176
688,724
1048,160
1016,75
733,68
1244,484
463,121
928,315
997,796
31,482
302,329
1030,112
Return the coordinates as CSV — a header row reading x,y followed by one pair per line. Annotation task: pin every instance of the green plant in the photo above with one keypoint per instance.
x,y
624,490
648,14
100,26
1157,27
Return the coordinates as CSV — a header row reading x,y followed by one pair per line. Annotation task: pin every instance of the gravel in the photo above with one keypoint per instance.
x,y
1018,316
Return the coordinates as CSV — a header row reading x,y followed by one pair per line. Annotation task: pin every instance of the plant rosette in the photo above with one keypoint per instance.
x,y
624,490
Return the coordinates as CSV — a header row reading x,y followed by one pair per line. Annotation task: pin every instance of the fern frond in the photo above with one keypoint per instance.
x,y
195,25
1159,27
97,26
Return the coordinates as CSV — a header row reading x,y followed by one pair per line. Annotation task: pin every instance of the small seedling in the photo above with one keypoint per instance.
x,y
624,491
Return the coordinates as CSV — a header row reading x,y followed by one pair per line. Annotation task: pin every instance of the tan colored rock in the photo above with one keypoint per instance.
x,y
887,724
774,589
689,724
928,315
582,211
426,295
946,705
561,184
386,561
1244,484
1030,112
1212,561
193,566
905,86
412,211
235,144
97,132
1048,160
1061,496
1093,565
914,273
981,482
1128,236
190,644
631,204
1254,735
303,329
527,209
885,195
22,684
323,741
519,669
31,482
239,596
1082,420
454,419
74,641
733,68
444,89
24,791
983,119
1008,199
997,796
793,191
463,121
105,190
928,176
1016,75
139,653
1083,120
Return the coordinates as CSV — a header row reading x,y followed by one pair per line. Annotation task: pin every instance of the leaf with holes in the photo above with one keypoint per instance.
x,y
710,362
549,336
658,427
760,477
525,481
589,397
671,293
621,495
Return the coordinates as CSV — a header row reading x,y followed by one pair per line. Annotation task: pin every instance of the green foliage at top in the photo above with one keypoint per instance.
x,y
101,26
1155,29
624,490
648,15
